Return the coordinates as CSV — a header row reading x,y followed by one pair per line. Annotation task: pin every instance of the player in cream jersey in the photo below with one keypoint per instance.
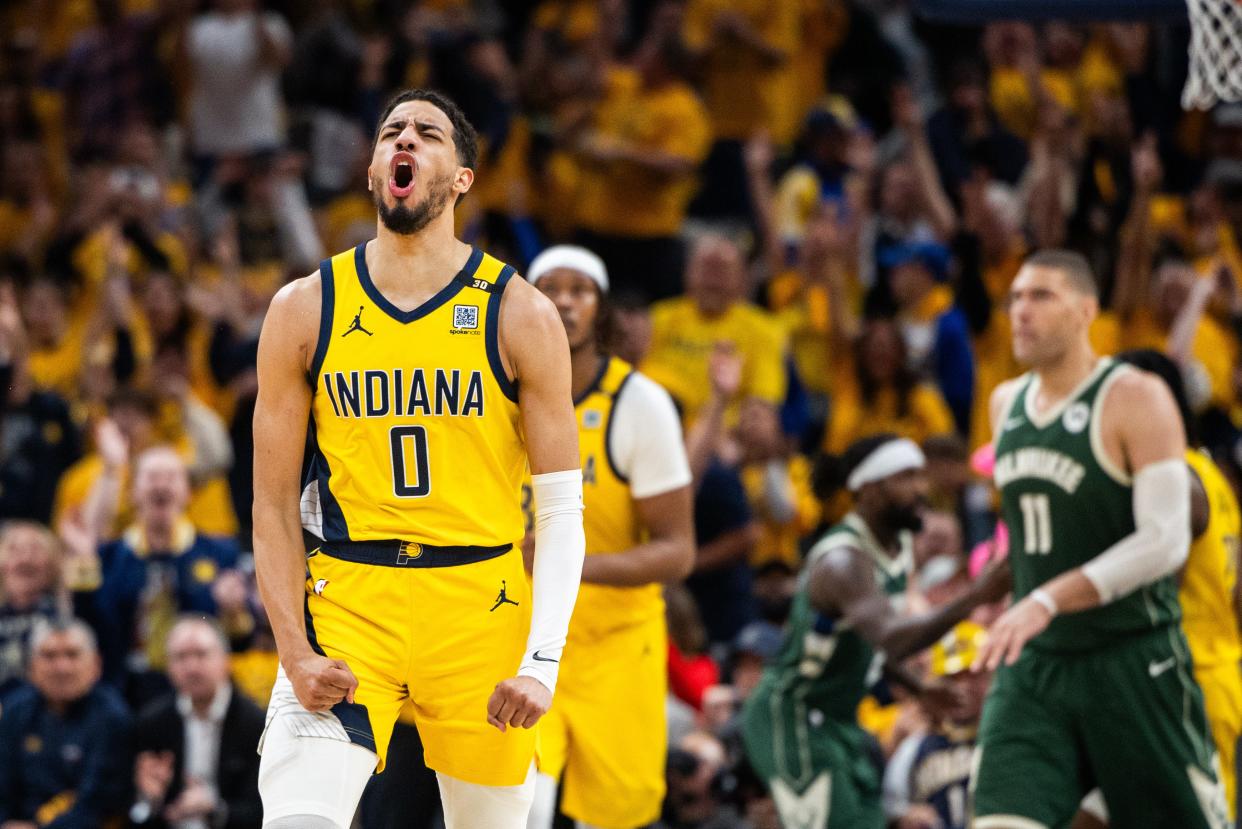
x,y
401,360
604,739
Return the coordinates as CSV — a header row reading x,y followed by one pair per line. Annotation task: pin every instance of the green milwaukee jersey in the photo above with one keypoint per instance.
x,y
1064,502
824,665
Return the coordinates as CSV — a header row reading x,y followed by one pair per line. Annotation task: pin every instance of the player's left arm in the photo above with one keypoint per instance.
x,y
666,556
535,352
646,444
1153,448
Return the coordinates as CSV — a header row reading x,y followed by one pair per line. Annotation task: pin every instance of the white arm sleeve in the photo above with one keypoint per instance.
x,y
560,546
645,441
1161,538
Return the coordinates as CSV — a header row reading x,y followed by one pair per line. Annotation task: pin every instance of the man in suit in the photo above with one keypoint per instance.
x,y
196,766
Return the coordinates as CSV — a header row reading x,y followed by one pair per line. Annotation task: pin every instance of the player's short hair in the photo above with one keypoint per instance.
x,y
465,138
1071,263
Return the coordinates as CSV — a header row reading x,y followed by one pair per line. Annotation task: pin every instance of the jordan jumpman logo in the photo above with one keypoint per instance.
x,y
356,325
503,598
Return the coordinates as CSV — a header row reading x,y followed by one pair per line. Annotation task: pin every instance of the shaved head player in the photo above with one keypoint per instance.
x,y
1093,683
404,357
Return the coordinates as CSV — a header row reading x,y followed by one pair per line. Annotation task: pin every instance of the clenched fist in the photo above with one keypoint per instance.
x,y
320,682
518,702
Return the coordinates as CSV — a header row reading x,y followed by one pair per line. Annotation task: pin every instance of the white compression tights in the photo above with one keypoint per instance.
x,y
473,806
310,781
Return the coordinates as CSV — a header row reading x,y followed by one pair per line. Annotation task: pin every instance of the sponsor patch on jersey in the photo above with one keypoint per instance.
x,y
1076,417
466,316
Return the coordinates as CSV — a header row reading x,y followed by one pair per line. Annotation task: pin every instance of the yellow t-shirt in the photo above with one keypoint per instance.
x,y
1213,349
1015,105
574,21
58,368
210,509
994,364
743,92
778,541
852,419
624,199
822,27
1211,573
682,341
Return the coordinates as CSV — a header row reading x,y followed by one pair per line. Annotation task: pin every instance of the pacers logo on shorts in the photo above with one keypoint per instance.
x,y
409,552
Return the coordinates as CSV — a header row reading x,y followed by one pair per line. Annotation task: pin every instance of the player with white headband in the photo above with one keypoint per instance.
x,y
845,635
604,741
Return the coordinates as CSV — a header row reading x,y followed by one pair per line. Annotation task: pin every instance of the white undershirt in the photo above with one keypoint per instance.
x,y
645,441
202,744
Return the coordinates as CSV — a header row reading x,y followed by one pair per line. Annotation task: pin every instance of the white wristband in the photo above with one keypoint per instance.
x,y
1040,596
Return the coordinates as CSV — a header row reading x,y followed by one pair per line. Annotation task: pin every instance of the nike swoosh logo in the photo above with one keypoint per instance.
x,y
539,658
1155,669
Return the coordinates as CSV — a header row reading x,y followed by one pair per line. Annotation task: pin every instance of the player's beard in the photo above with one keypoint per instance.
x,y
903,517
405,220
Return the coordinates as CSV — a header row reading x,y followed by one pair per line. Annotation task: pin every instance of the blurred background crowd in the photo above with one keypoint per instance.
x,y
811,211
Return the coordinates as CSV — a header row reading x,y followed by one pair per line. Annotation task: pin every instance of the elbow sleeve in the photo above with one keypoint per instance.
x,y
1161,539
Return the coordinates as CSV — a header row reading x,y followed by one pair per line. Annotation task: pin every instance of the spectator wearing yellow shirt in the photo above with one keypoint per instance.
x,y
637,164
778,486
1021,82
1153,289
746,50
686,330
819,176
932,323
77,356
884,395
95,490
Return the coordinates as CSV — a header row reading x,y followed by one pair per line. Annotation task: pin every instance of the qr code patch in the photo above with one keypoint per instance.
x,y
465,316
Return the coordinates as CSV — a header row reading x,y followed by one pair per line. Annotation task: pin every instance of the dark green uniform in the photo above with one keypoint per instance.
x,y
1105,697
799,725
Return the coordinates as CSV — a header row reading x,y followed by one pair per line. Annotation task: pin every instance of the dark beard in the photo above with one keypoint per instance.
x,y
902,518
407,221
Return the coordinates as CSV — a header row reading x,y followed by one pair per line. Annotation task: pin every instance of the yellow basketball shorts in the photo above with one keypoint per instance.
x,y
436,637
1222,700
605,736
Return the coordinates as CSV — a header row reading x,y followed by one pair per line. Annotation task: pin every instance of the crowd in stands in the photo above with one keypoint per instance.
x,y
811,211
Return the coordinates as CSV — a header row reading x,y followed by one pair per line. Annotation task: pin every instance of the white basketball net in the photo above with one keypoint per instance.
x,y
1215,53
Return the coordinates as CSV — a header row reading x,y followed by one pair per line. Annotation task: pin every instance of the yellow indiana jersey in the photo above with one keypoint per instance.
x,y
609,519
414,421
1211,573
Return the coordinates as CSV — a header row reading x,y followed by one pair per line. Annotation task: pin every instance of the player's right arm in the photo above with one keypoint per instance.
x,y
1153,449
843,586
282,410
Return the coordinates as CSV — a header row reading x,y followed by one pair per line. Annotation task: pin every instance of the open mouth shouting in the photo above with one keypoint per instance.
x,y
401,175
